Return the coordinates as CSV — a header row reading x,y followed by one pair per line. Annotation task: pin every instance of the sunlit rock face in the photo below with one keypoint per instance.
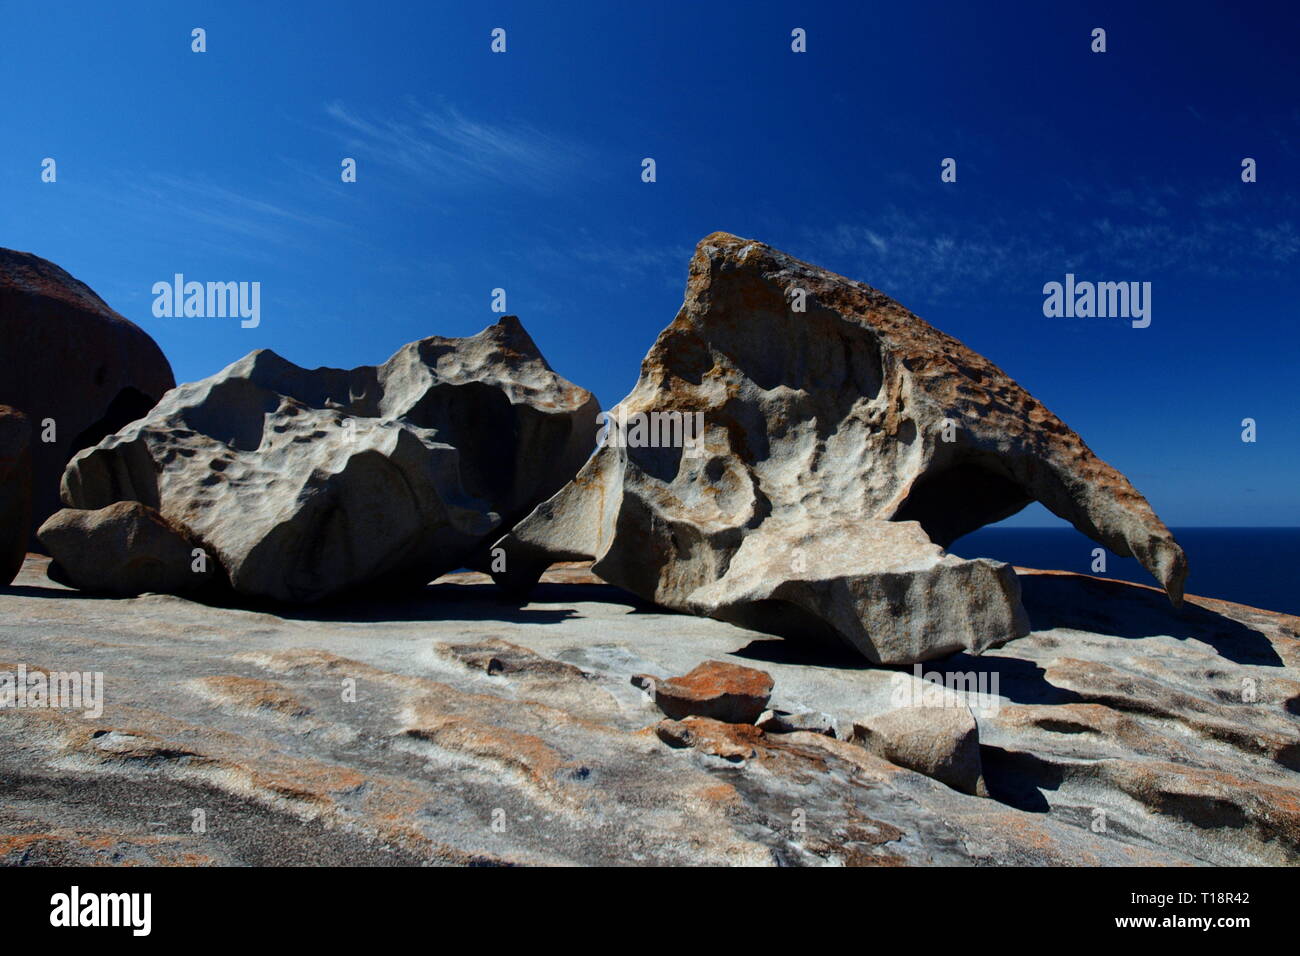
x,y
845,443
306,483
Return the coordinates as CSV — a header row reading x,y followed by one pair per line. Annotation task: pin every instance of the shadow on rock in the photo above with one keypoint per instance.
x,y
1019,681
811,653
446,602
32,590
1018,779
1122,609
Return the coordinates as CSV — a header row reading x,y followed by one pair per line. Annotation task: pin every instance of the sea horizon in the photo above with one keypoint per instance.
x,y
1252,565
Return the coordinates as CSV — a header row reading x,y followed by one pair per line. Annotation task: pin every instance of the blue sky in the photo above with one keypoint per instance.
x,y
522,170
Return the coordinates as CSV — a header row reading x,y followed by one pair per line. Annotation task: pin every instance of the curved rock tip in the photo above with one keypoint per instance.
x,y
303,484
843,443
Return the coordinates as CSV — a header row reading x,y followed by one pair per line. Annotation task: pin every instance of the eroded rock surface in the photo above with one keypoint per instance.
x,y
76,368
306,483
717,738
1117,733
825,436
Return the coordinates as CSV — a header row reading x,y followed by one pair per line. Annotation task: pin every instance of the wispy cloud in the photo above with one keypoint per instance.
x,y
1120,234
205,201
895,250
442,146
203,212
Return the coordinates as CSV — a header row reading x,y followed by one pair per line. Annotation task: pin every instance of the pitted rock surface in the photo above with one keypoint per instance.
x,y
307,483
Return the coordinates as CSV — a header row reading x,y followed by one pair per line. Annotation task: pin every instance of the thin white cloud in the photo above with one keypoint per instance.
x,y
208,214
236,211
441,146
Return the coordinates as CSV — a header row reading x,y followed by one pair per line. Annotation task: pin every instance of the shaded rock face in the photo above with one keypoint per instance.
x,y
843,446
304,484
66,356
126,548
15,490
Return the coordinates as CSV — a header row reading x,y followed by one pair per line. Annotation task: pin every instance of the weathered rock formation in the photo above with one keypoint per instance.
x,y
15,490
126,548
66,358
304,484
845,442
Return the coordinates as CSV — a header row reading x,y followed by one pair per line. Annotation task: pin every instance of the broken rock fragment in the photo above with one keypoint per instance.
x,y
715,689
845,442
495,657
718,738
941,742
880,586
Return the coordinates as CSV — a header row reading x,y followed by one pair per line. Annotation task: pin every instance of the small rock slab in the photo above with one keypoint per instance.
x,y
715,689
124,549
495,656
941,742
735,742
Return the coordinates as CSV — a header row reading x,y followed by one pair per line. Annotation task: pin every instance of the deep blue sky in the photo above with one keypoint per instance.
x,y
522,170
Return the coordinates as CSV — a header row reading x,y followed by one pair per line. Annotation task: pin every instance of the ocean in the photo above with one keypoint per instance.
x,y
1255,566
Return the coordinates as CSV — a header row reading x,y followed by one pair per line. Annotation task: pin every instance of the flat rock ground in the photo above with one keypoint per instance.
x,y
481,732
